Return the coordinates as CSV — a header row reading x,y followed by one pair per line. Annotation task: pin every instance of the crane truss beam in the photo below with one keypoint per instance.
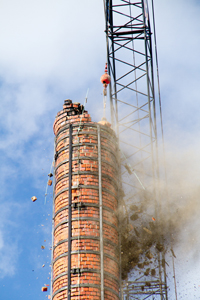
x,y
133,116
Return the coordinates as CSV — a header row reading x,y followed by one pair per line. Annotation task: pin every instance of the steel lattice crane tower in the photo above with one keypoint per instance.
x,y
133,115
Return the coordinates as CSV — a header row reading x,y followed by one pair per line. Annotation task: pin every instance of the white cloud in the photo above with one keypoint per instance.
x,y
45,39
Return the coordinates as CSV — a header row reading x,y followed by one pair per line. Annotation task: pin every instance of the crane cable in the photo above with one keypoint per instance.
x,y
163,143
45,198
138,111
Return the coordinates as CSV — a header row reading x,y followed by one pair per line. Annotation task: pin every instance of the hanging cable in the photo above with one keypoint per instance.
x,y
138,112
45,198
131,169
52,232
163,143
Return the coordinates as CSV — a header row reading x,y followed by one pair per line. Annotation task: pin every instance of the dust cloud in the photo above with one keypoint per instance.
x,y
175,226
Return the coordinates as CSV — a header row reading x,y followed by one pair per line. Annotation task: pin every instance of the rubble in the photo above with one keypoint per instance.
x,y
49,182
153,272
146,273
33,198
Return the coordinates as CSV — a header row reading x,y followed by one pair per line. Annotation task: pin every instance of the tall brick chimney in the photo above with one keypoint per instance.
x,y
86,243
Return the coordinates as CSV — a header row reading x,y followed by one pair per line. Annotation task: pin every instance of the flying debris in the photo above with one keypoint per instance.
x,y
147,283
42,247
134,207
149,255
153,219
33,198
44,289
134,217
173,253
50,175
146,273
136,232
43,266
147,230
49,182
153,272
130,227
159,247
128,169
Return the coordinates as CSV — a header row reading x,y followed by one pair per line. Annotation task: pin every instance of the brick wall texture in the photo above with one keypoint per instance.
x,y
85,273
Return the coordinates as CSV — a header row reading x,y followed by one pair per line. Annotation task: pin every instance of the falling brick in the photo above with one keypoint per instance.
x,y
49,182
33,198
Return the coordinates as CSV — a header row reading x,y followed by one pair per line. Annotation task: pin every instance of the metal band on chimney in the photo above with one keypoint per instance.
x,y
70,213
100,214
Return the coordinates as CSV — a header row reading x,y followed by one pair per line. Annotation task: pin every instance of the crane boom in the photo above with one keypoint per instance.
x,y
133,116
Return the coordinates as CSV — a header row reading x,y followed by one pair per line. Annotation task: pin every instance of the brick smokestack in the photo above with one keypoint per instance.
x,y
86,243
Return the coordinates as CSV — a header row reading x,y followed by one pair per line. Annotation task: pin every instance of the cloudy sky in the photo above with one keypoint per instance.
x,y
54,50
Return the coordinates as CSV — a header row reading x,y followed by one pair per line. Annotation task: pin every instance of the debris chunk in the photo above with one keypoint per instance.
x,y
129,227
136,232
153,272
133,207
148,283
134,217
141,265
49,182
159,247
44,289
149,255
147,230
153,219
43,266
146,273
173,253
42,247
33,198
50,175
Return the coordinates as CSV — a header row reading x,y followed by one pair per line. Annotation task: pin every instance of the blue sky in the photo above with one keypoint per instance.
x,y
54,50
